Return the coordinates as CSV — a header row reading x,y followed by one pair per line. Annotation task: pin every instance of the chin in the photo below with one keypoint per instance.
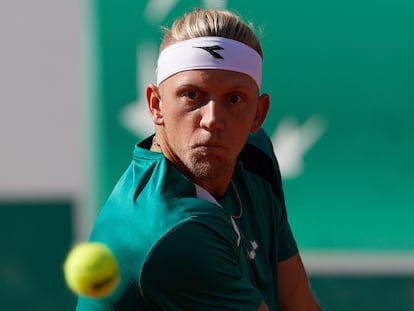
x,y
208,169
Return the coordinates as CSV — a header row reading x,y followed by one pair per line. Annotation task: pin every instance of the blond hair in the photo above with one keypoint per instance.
x,y
211,22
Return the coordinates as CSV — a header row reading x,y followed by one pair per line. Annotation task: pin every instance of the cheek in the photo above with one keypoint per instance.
x,y
179,127
183,119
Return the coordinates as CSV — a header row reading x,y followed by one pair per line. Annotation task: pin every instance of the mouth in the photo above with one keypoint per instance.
x,y
209,147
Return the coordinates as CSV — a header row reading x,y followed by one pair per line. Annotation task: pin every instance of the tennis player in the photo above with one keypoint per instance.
x,y
198,220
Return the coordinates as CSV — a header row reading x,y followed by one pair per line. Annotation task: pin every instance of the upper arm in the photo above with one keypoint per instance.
x,y
294,289
196,268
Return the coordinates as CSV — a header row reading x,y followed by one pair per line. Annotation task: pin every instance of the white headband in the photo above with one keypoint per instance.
x,y
209,53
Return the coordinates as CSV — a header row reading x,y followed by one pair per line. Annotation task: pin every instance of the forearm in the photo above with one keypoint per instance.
x,y
263,307
307,303
295,293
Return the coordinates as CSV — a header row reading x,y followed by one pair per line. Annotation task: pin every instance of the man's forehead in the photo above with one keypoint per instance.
x,y
203,77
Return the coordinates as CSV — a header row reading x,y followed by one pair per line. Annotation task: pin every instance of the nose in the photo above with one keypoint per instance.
x,y
212,118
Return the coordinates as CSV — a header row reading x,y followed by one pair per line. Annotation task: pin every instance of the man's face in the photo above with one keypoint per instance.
x,y
204,119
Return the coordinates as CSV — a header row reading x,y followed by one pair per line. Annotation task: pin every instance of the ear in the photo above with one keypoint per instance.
x,y
263,106
154,104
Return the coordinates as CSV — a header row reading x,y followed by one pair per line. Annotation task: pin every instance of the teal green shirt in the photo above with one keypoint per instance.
x,y
180,249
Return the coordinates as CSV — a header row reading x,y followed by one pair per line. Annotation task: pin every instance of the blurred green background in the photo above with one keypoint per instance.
x,y
341,79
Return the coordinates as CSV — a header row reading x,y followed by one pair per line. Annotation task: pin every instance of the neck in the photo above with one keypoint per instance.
x,y
155,146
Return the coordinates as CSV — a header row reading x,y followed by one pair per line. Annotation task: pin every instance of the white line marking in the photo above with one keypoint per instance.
x,y
324,262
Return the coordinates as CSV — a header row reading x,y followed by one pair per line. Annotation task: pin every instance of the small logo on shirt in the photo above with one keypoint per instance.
x,y
252,253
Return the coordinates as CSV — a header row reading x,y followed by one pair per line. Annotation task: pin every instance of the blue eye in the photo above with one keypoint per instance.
x,y
191,94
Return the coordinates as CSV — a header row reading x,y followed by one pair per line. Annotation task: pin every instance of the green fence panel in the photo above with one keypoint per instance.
x,y
35,237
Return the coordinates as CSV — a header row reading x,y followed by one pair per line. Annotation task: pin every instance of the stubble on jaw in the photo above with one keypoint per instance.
x,y
206,167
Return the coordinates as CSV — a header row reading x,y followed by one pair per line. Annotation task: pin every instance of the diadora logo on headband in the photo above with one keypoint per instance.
x,y
212,50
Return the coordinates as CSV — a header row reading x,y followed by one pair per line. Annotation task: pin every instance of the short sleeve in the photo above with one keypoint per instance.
x,y
196,267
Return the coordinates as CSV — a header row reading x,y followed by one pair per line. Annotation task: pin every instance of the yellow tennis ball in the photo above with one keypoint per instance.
x,y
91,270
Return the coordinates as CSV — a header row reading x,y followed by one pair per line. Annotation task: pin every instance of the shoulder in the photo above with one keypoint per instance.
x,y
258,158
261,140
258,150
